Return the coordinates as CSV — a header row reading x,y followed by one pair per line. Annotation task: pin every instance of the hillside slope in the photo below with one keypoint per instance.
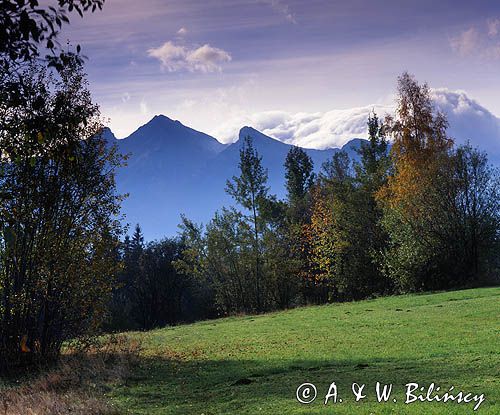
x,y
253,364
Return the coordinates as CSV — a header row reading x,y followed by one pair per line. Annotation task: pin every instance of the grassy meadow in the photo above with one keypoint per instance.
x,y
253,364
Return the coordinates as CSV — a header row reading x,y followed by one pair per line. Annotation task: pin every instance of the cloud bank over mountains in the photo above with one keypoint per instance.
x,y
318,130
468,121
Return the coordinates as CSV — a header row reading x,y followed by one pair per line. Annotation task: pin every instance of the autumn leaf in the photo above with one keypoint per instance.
x,y
24,347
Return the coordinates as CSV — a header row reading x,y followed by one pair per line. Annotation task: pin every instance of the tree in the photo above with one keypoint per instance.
x,y
287,246
299,180
469,195
159,289
132,260
154,288
222,258
58,217
420,216
421,156
371,174
344,238
319,241
317,248
420,146
121,313
137,241
26,27
244,256
374,165
250,191
133,248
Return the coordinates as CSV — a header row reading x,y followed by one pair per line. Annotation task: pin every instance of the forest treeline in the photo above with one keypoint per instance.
x,y
419,214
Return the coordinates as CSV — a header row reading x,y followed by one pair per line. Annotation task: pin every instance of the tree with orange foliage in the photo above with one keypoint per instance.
x,y
417,199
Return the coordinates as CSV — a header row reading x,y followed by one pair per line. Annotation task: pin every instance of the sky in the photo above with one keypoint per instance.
x,y
288,67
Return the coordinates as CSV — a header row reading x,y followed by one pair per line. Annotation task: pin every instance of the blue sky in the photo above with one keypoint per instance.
x,y
214,64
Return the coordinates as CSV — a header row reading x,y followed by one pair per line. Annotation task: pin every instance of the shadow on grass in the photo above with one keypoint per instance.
x,y
163,385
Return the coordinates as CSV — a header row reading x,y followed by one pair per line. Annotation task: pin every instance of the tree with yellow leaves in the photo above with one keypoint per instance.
x,y
420,155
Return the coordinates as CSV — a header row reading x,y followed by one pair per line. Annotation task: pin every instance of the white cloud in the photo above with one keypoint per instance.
x,y
202,59
283,8
479,41
171,56
466,42
207,58
125,97
312,130
468,121
493,52
493,27
182,31
143,106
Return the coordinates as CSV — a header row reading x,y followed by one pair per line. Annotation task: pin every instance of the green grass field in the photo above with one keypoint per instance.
x,y
253,364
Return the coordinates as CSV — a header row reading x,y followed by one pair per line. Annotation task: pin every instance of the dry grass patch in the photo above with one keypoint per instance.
x,y
77,384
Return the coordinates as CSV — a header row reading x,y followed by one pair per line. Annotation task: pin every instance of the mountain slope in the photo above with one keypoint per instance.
x,y
225,165
164,145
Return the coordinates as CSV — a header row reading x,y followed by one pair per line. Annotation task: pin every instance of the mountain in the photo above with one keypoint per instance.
x,y
164,145
163,156
273,153
173,170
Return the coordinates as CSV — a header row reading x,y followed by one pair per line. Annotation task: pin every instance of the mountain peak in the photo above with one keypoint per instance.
x,y
353,144
108,134
248,130
160,127
163,137
163,120
255,135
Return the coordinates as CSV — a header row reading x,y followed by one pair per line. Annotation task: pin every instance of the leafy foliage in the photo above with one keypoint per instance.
x,y
59,225
431,201
26,27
